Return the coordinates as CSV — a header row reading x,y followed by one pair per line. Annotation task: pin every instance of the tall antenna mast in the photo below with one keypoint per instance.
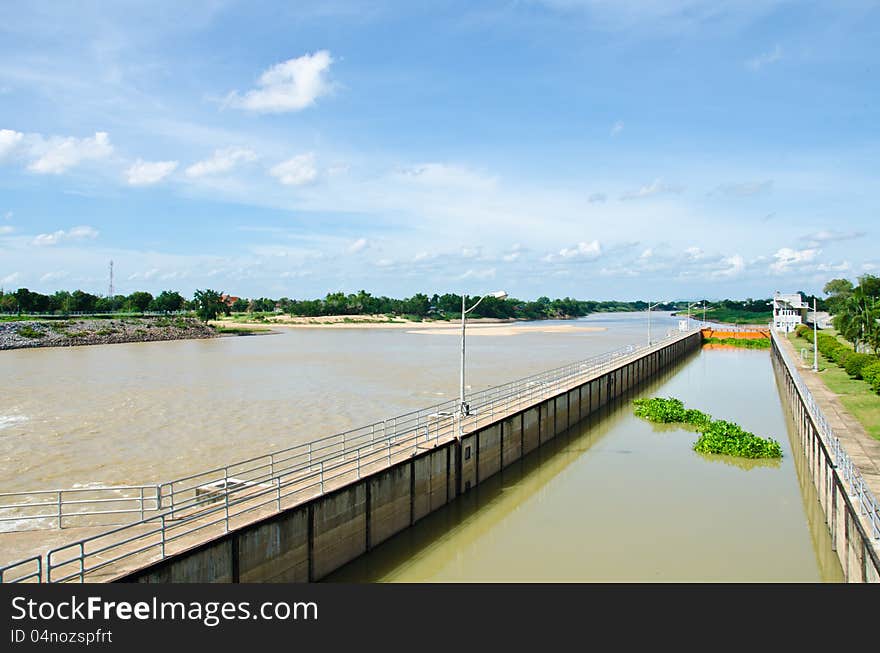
x,y
110,292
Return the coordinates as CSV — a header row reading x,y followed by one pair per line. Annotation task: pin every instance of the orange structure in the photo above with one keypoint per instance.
x,y
751,334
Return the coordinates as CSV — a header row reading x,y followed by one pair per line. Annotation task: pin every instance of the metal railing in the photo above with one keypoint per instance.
x,y
29,570
868,506
71,507
209,503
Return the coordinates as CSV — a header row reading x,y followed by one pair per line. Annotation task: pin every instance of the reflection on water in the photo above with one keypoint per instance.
x,y
743,463
617,499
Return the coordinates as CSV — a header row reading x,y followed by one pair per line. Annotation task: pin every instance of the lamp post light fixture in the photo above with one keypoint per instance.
x,y
463,408
650,306
689,313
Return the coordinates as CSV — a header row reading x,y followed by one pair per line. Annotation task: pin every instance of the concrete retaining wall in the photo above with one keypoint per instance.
x,y
849,539
309,541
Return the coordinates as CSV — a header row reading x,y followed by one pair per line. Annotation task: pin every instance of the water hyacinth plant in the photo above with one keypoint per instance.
x,y
716,435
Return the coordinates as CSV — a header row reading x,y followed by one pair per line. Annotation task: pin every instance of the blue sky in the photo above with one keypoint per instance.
x,y
591,148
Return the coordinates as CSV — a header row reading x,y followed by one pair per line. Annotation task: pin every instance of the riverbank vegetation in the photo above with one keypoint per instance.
x,y
716,436
859,396
856,310
745,343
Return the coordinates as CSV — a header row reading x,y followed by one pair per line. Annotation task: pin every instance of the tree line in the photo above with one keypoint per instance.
x,y
856,310
210,303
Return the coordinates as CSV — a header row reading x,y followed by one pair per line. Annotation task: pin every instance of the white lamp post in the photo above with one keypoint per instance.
x,y
499,294
650,306
815,338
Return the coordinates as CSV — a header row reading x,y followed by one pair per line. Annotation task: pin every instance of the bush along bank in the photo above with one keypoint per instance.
x,y
858,366
716,435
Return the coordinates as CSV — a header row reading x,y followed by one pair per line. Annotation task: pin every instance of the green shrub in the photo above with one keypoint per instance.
x,y
802,330
855,363
30,332
871,374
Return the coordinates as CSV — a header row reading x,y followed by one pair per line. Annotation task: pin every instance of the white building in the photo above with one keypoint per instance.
x,y
788,311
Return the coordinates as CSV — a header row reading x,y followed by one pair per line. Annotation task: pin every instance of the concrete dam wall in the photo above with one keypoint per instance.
x,y
856,546
309,541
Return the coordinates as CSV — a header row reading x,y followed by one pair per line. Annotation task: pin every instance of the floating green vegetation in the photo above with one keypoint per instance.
x,y
746,343
668,411
731,439
716,435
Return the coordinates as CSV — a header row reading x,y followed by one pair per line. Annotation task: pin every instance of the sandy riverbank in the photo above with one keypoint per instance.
x,y
482,326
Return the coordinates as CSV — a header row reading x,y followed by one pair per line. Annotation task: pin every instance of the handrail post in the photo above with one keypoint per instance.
x,y
82,562
322,477
226,495
59,511
163,535
142,503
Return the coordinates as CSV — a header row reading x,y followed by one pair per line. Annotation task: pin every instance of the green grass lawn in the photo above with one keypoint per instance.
x,y
732,316
855,395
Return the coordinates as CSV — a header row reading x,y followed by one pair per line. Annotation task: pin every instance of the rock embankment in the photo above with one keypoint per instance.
x,y
64,333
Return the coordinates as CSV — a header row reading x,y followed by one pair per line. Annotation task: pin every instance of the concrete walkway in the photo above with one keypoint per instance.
x,y
863,450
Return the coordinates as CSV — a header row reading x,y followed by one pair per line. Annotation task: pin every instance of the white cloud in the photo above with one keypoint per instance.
x,y
745,189
9,141
787,258
53,276
583,251
733,266
827,236
657,187
56,155
357,246
488,273
152,273
765,58
298,171
10,278
646,254
6,229
291,85
616,128
82,232
694,253
222,161
447,176
844,266
146,173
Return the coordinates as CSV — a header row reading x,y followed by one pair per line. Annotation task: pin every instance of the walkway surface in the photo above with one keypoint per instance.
x,y
862,449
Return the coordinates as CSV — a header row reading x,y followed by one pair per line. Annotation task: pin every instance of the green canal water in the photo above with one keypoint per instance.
x,y
619,499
